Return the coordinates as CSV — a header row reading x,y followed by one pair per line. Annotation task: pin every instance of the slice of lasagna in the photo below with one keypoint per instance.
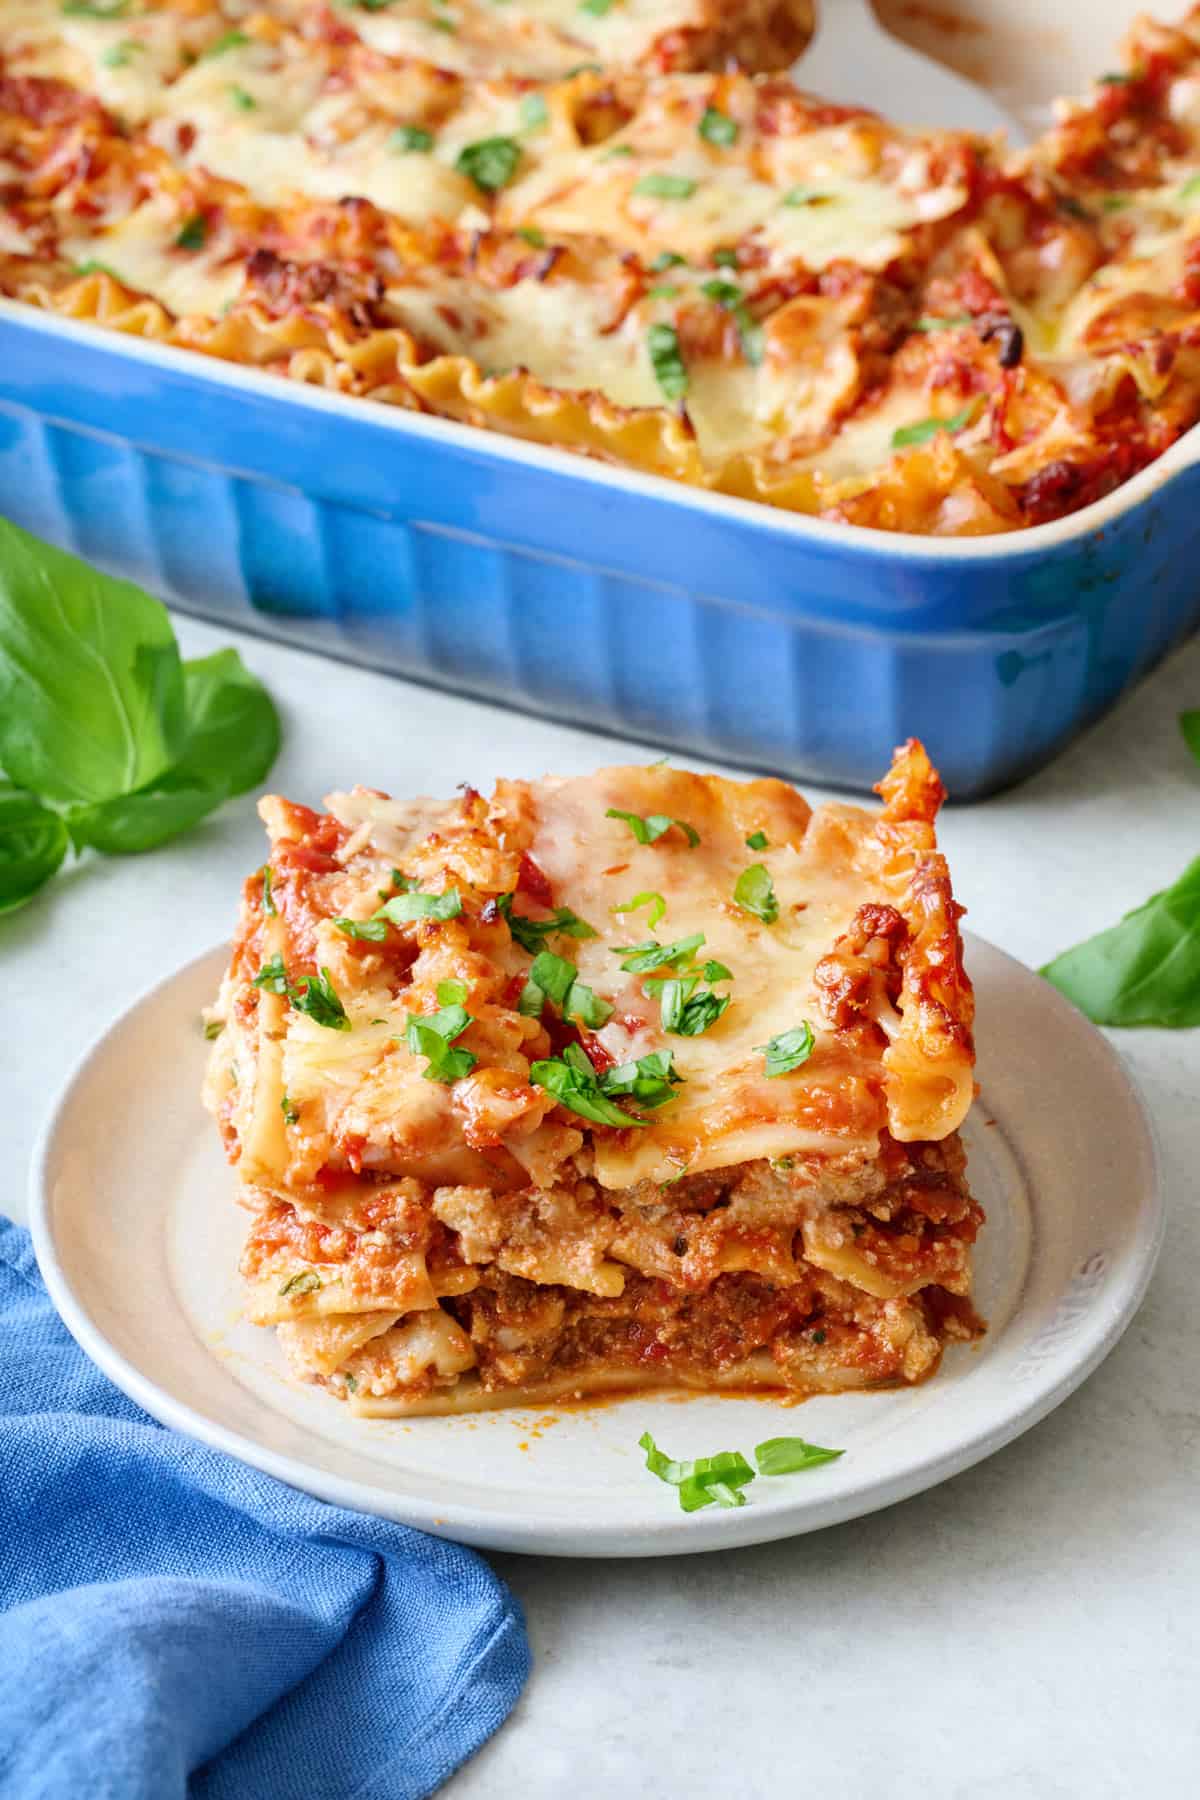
x,y
640,1079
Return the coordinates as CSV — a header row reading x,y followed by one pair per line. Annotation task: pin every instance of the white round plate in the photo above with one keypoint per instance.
x,y
137,1235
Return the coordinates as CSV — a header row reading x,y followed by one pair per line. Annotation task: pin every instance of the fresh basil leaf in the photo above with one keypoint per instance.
x,y
491,163
33,842
573,1082
791,1455
597,8
716,971
669,259
1145,970
315,995
558,981
660,186
717,127
651,1080
307,1283
806,196
666,359
532,933
533,112
924,429
754,892
432,1034
952,322
452,993
1189,724
241,98
268,899
757,840
213,1029
654,901
291,1112
694,1016
91,685
1190,189
273,976
638,959
533,236
368,931
405,909
119,56
706,1480
531,1001
228,40
89,9
725,259
787,1051
651,828
406,140
192,233
729,297
231,739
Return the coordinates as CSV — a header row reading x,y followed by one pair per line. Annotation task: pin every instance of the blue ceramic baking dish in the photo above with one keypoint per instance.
x,y
610,599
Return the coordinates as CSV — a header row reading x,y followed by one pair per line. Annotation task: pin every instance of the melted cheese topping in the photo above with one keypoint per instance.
x,y
538,38
729,1110
142,251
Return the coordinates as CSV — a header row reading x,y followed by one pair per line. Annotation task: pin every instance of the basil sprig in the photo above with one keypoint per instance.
x,y
432,1035
639,959
648,830
721,1479
687,1010
490,163
370,931
314,995
754,892
531,934
407,908
651,1080
107,737
789,1050
554,978
1145,970
574,1083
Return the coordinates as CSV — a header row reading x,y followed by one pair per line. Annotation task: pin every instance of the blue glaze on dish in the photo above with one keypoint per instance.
x,y
528,576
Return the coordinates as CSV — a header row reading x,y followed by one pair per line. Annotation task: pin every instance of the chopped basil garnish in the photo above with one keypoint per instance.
x,y
686,1012
307,1283
431,1035
571,1078
290,1112
228,40
725,259
597,8
407,138
616,150
754,892
403,909
582,69
667,361
1191,188
757,840
554,978
787,1051
268,902
452,993
665,292
533,236
706,1480
1117,77
924,429
315,996
273,977
531,934
730,299
805,196
653,826
533,112
213,1028
351,1384
654,901
193,233
952,322
717,127
120,55
667,259
239,97
639,959
93,267
788,1455
491,163
369,931
660,186
85,9
650,1080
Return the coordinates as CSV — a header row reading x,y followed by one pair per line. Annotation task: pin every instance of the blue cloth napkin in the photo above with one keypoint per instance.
x,y
178,1624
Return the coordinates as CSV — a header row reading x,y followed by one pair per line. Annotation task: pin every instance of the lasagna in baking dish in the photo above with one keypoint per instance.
x,y
643,1079
611,227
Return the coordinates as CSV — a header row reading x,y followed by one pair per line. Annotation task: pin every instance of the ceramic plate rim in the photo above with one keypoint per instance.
x,y
677,1533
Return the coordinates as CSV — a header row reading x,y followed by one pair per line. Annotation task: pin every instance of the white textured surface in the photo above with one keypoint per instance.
x,y
1029,1630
